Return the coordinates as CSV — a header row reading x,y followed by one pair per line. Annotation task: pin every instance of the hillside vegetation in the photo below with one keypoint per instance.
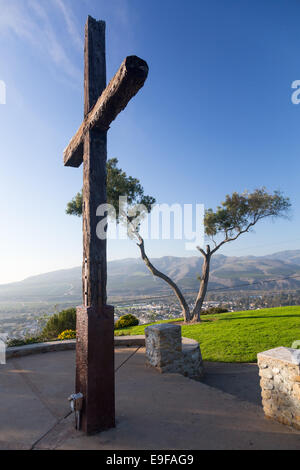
x,y
240,336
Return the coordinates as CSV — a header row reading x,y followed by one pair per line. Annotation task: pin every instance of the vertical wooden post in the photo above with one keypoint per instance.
x,y
95,320
94,62
94,161
94,194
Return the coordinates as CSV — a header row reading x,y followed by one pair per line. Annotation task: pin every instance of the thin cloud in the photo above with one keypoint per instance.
x,y
14,19
31,22
70,22
54,46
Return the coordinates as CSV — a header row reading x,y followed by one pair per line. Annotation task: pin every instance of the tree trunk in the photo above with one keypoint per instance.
x,y
203,286
184,305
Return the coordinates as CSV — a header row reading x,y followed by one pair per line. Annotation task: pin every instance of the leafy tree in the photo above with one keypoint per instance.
x,y
118,185
237,215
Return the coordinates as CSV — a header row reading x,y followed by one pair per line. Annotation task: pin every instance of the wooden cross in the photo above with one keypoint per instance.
x,y
95,319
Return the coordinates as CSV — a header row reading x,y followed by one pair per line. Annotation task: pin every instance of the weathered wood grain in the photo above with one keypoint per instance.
x,y
94,194
129,79
95,62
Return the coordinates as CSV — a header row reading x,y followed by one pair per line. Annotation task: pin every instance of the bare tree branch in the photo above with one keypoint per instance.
x,y
201,251
233,238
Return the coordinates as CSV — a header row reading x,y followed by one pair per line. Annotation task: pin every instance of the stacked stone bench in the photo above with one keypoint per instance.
x,y
167,351
279,370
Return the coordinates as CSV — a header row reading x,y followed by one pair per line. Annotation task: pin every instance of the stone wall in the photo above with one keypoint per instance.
x,y
168,352
279,370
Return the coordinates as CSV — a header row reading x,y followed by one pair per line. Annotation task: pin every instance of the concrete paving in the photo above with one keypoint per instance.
x,y
153,411
239,380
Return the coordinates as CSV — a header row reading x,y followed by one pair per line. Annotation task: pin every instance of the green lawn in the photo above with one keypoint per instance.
x,y
239,336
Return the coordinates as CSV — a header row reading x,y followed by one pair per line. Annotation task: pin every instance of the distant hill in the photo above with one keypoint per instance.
x,y
130,277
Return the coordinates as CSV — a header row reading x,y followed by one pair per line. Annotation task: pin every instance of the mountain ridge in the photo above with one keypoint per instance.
x,y
130,277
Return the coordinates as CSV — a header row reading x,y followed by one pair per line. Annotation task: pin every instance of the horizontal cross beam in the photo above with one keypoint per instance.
x,y
129,79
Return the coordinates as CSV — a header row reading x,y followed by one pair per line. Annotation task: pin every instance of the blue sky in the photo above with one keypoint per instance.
x,y
215,116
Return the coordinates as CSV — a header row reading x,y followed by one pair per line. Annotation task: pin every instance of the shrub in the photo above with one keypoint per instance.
x,y
65,320
15,342
68,334
126,321
214,310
